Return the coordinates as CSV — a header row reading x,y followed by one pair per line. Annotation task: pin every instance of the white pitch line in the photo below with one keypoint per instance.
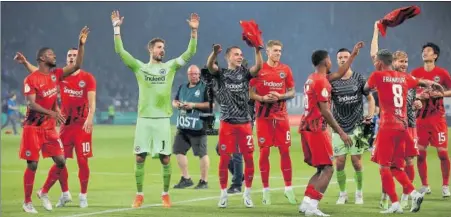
x,y
182,202
132,174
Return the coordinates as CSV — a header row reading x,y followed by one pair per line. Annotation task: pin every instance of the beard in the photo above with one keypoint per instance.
x,y
328,71
158,58
51,65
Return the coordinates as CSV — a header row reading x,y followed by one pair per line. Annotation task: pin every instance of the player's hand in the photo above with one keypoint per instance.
x,y
20,58
217,48
436,94
368,119
58,116
417,104
357,48
188,106
84,35
269,98
194,21
375,25
437,87
87,126
276,94
346,139
116,19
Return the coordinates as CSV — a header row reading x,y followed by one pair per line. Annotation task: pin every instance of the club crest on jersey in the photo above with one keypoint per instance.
x,y
282,74
81,83
28,153
239,77
197,93
355,88
27,88
437,79
261,140
53,78
324,92
137,149
223,147
162,71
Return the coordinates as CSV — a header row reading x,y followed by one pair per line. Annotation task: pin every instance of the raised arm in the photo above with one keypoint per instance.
x,y
258,62
211,61
344,68
192,46
375,42
126,57
20,58
69,69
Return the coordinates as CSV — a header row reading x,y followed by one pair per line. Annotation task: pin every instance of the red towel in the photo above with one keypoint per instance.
x,y
397,17
251,34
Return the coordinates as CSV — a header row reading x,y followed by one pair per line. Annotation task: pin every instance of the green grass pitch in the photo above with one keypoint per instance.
x,y
112,184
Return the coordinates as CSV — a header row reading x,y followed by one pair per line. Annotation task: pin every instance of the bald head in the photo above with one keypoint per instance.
x,y
193,74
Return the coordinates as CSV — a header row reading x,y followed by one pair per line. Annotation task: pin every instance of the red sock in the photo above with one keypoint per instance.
x,y
52,177
308,190
423,167
223,170
248,168
264,166
83,174
410,171
316,195
445,165
28,182
285,164
388,184
403,179
63,180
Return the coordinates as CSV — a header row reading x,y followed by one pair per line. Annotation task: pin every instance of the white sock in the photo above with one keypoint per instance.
x,y
343,193
395,204
224,192
83,195
140,193
288,188
306,199
164,193
66,193
265,189
314,203
412,193
358,192
404,197
247,190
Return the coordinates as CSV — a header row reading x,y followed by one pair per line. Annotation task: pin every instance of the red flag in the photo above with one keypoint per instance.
x,y
251,34
397,17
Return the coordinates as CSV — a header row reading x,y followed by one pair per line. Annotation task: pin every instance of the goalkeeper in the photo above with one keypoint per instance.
x,y
347,99
155,78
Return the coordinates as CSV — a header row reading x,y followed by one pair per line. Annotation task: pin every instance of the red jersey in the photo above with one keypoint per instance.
x,y
74,96
433,107
277,79
45,88
392,88
316,89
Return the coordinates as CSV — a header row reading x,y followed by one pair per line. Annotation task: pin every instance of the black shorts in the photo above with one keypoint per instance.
x,y
184,141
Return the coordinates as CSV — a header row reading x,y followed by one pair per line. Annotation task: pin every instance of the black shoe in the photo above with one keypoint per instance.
x,y
234,190
201,185
184,183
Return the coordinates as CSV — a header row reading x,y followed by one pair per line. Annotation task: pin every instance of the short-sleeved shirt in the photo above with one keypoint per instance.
x,y
45,88
316,89
392,87
74,96
233,94
278,79
433,107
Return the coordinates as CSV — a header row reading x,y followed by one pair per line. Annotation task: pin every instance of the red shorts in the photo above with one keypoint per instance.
x,y
73,136
317,148
231,135
36,139
271,132
432,131
411,148
390,147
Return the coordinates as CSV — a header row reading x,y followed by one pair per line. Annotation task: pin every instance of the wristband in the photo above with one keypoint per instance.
x,y
117,30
